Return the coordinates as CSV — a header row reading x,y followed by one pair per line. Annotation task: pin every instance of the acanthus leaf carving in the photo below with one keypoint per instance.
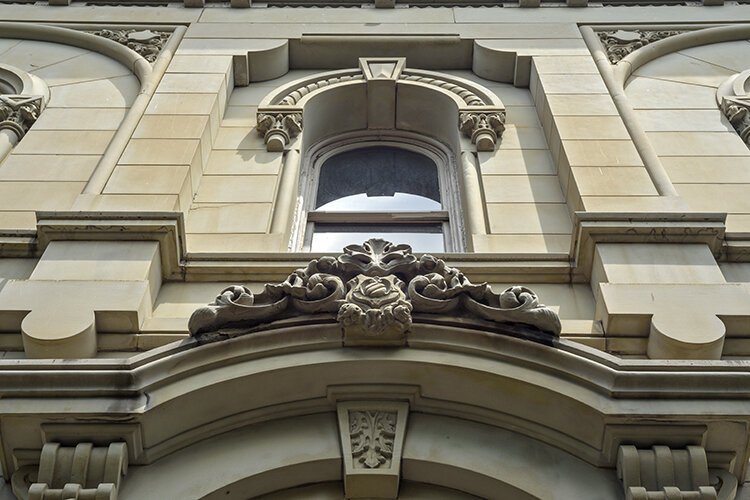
x,y
279,127
620,43
146,43
372,433
372,290
483,128
737,111
18,113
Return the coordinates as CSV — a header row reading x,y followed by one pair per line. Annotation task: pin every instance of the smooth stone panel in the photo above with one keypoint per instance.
x,y
179,83
117,92
522,138
65,142
232,218
600,153
581,105
698,143
649,93
612,181
39,195
522,189
522,243
243,162
80,119
572,84
531,218
171,127
591,127
128,179
20,167
30,55
566,65
732,198
83,68
681,68
159,152
237,189
733,56
707,169
239,138
236,243
683,120
182,104
517,161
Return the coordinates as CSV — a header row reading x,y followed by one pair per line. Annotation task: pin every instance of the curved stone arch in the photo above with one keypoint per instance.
x,y
461,104
148,76
465,456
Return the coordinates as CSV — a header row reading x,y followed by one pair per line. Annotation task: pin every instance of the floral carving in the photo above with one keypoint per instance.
x,y
18,113
278,128
621,43
372,290
372,433
484,129
146,43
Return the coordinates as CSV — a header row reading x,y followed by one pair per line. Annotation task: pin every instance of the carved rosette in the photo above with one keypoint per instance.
x,y
619,44
371,433
372,290
278,128
483,128
148,44
18,113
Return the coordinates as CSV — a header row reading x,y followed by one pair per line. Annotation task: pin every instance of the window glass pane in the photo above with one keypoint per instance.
x,y
421,237
378,179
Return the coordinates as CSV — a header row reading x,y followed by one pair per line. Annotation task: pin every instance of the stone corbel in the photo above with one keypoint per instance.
x,y
484,127
662,473
83,472
278,127
18,113
372,439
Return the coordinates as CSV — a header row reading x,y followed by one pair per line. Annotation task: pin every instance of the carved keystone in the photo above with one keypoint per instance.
x,y
372,439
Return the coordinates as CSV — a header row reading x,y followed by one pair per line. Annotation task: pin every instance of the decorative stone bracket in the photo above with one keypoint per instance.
x,y
83,472
481,114
372,437
661,473
373,289
18,112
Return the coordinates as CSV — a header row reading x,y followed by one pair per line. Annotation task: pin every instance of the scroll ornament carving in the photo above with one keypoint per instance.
x,y
484,129
148,44
372,290
18,113
279,128
619,44
372,433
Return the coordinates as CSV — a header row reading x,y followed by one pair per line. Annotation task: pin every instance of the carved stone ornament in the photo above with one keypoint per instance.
x,y
484,129
481,113
373,290
733,97
146,43
278,128
83,472
18,113
621,43
372,437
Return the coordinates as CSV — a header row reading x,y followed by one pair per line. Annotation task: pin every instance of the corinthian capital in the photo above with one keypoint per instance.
x,y
18,113
278,128
484,128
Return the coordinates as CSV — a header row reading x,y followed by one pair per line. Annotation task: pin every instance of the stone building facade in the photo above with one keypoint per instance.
x,y
428,249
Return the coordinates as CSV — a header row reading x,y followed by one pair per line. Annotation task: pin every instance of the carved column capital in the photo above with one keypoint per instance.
x,y
279,127
484,128
18,112
737,111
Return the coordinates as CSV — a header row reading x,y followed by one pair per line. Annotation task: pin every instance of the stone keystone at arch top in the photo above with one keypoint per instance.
x,y
373,290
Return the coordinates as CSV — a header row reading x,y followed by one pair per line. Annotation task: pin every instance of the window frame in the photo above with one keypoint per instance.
x,y
450,216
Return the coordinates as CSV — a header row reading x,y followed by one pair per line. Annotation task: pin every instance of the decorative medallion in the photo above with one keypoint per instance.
x,y
621,43
146,43
373,290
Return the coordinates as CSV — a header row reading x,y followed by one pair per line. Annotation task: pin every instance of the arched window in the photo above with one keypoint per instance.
x,y
387,190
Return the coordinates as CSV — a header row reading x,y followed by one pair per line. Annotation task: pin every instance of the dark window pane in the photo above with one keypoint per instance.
x,y
385,178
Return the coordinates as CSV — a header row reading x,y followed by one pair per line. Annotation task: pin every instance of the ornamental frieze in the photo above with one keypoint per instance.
x,y
373,291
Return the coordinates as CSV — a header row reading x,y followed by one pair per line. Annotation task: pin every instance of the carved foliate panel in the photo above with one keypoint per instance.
x,y
148,44
372,290
621,43
372,437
